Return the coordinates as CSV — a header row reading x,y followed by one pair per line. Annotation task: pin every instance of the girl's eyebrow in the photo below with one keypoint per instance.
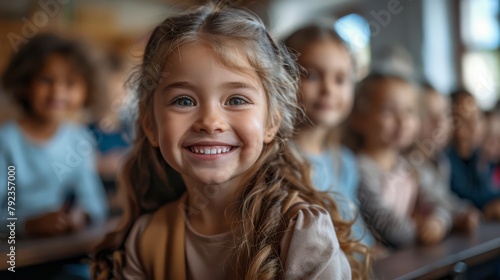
x,y
190,86
239,85
179,85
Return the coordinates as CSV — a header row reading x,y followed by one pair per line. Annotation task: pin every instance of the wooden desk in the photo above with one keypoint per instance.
x,y
437,261
44,250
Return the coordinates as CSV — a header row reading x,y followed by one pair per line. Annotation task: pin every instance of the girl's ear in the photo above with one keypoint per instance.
x,y
272,129
150,130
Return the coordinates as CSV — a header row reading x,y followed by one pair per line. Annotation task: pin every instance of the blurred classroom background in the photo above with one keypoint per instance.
x,y
448,43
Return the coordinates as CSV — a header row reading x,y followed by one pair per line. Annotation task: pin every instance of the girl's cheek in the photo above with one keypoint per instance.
x,y
307,92
80,99
348,100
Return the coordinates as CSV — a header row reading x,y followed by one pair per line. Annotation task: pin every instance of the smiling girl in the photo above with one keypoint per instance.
x,y
217,104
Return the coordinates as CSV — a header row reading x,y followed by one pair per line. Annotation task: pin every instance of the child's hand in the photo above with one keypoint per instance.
x,y
78,219
57,223
467,221
51,224
431,230
492,210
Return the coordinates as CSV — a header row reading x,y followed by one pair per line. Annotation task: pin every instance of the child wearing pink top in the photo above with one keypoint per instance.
x,y
385,122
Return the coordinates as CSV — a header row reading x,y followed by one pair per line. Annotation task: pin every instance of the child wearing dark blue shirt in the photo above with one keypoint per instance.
x,y
469,178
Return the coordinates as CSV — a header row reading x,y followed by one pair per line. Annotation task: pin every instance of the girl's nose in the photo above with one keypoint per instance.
x,y
210,120
327,86
401,120
58,88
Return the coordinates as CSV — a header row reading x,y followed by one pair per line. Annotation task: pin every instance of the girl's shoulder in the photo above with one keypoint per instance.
x,y
10,135
367,165
347,154
309,216
149,223
138,229
305,219
148,238
75,130
8,127
161,217
349,160
311,230
133,267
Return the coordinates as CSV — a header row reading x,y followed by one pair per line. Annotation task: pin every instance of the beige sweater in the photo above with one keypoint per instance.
x,y
309,250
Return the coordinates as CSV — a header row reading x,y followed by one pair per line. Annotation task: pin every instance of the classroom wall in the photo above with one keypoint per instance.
x,y
420,27
396,23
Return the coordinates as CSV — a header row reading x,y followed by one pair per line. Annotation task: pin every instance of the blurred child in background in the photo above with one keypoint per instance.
x,y
112,131
326,94
490,151
471,178
57,188
490,147
434,171
6,111
385,121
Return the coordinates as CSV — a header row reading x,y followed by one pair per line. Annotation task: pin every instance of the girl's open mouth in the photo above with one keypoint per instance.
x,y
210,150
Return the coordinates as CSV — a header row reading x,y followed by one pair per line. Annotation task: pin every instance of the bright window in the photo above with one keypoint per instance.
x,y
354,29
481,62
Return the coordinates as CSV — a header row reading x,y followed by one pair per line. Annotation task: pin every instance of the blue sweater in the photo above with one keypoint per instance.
x,y
336,172
47,173
471,182
114,140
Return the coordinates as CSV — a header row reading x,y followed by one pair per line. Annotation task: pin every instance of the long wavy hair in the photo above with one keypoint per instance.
x,y
278,174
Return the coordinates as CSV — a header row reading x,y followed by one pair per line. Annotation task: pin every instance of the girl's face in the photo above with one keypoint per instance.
x,y
57,91
327,88
210,120
469,125
436,124
491,144
391,119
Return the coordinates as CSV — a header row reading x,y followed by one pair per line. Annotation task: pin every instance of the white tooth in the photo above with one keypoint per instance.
x,y
219,150
194,150
207,151
201,151
224,150
213,151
